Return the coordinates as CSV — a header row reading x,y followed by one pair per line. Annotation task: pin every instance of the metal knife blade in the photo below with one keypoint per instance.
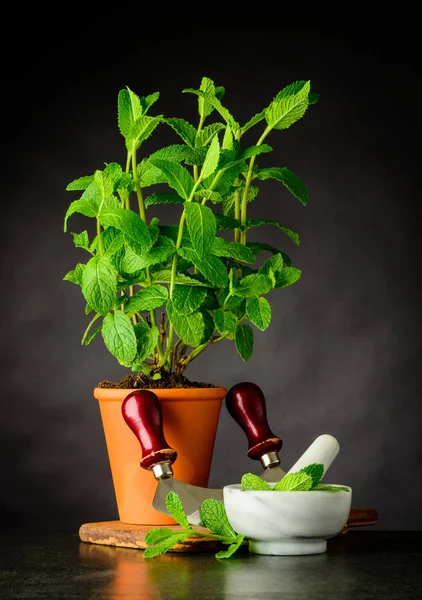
x,y
141,411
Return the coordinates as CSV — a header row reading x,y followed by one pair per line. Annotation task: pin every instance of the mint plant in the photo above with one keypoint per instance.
x,y
206,288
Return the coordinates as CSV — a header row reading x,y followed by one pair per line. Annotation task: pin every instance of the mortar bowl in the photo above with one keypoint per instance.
x,y
287,523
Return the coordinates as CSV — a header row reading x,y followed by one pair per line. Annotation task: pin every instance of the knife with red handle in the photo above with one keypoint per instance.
x,y
141,411
245,402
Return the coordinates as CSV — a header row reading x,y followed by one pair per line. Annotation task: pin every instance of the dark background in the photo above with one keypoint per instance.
x,y
343,352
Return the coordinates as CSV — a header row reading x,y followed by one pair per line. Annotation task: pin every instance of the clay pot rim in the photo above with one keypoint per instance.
x,y
199,393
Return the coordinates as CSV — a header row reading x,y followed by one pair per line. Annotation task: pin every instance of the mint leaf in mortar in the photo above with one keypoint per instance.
x,y
294,482
316,471
250,481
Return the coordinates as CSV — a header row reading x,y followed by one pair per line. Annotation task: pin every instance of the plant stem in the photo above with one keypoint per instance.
x,y
143,216
198,131
99,238
249,177
141,203
97,316
197,351
237,211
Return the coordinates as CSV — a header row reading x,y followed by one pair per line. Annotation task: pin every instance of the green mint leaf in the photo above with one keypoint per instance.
x,y
177,153
176,176
157,535
316,471
99,284
228,178
250,481
141,130
254,151
258,222
228,223
258,247
184,129
215,197
213,516
273,264
206,135
175,508
288,276
294,482
149,174
119,337
252,285
232,548
115,244
164,276
230,302
80,184
210,266
75,276
208,101
233,250
187,299
191,328
115,172
202,227
313,98
205,108
288,179
258,311
211,160
253,121
154,199
104,183
149,298
228,139
81,240
129,223
330,488
146,340
129,110
244,342
225,321
165,545
84,206
159,254
288,106
148,101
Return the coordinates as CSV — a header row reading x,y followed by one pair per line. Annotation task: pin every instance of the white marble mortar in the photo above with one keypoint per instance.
x,y
287,523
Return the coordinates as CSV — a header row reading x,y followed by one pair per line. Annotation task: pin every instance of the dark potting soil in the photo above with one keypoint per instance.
x,y
141,381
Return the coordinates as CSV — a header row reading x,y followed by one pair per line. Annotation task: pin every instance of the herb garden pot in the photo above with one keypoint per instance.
x,y
190,421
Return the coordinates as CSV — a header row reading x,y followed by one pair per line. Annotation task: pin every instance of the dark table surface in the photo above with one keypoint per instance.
x,y
362,564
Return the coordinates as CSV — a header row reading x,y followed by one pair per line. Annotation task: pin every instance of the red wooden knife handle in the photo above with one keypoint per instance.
x,y
246,404
142,412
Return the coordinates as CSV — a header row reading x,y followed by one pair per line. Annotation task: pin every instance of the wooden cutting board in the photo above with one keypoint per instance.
x,y
116,533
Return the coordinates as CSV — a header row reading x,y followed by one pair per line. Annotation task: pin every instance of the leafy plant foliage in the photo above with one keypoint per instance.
x,y
206,288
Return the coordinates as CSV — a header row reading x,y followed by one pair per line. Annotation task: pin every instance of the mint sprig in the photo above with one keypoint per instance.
x,y
306,480
213,517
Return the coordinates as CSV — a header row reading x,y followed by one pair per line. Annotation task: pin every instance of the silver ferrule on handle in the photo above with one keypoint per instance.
x,y
270,459
162,470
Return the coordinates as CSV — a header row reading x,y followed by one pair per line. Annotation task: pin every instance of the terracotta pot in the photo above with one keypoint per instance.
x,y
190,420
